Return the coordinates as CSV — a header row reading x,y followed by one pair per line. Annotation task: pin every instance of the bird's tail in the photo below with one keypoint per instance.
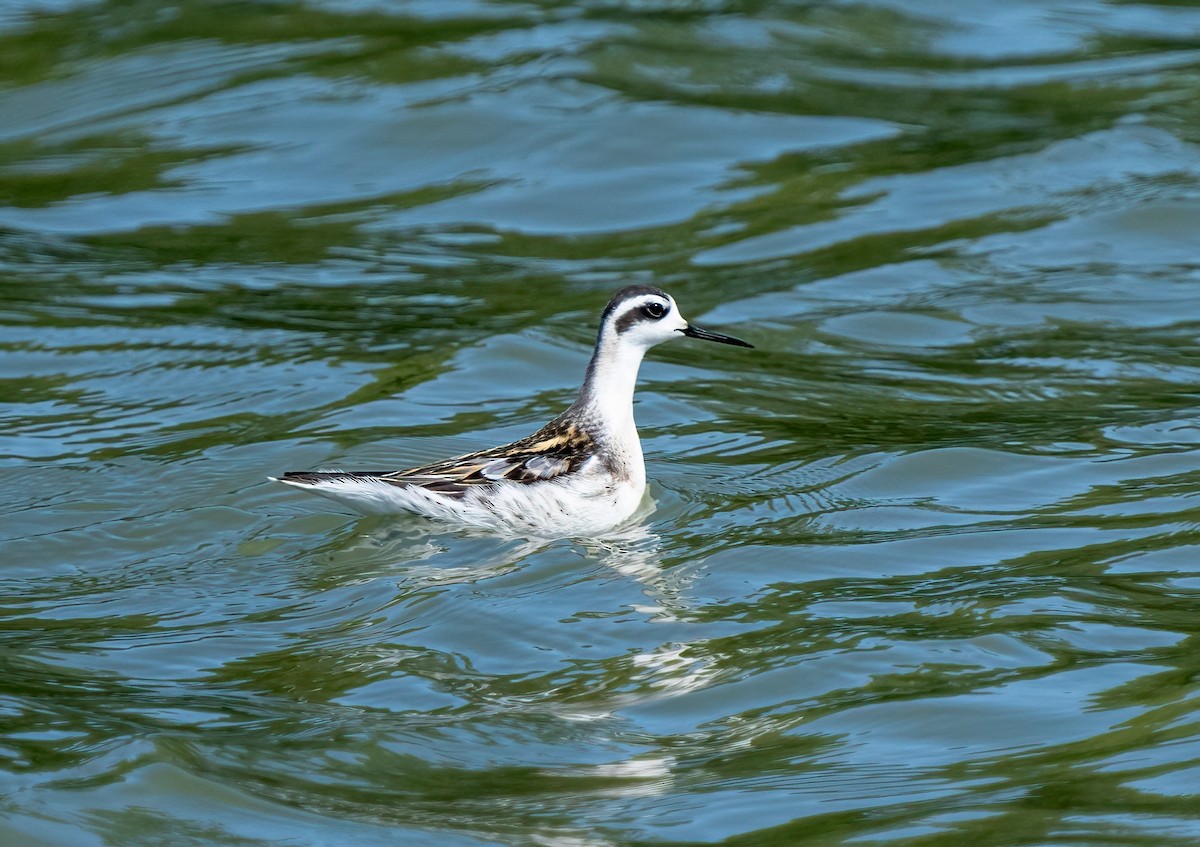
x,y
307,479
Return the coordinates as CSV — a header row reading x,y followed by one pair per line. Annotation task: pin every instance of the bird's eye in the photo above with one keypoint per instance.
x,y
654,310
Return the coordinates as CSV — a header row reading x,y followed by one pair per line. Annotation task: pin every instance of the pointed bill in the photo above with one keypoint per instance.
x,y
692,331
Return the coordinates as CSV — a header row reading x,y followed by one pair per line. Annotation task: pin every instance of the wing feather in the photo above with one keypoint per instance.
x,y
556,449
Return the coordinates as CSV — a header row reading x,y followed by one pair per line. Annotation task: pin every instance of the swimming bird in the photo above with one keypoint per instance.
x,y
579,475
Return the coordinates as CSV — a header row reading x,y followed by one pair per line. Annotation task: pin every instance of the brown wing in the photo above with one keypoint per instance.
x,y
554,450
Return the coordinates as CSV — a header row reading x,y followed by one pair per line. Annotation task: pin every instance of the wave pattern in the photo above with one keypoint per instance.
x,y
921,570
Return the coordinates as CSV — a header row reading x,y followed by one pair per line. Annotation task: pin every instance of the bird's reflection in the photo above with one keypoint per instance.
x,y
639,553
421,556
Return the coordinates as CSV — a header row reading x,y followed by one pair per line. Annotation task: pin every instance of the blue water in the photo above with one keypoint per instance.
x,y
920,569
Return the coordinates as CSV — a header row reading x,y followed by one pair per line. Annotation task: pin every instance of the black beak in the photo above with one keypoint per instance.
x,y
696,332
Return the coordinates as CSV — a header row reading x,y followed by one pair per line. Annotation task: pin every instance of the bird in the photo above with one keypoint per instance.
x,y
580,475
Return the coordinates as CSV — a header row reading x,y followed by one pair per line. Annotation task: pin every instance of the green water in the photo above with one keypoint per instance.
x,y
923,568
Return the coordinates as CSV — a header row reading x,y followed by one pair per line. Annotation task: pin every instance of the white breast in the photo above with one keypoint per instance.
x,y
586,502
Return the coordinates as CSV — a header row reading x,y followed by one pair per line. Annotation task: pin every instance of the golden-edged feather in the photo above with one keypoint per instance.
x,y
557,448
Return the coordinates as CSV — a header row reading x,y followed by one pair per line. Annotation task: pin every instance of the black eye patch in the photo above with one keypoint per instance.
x,y
654,310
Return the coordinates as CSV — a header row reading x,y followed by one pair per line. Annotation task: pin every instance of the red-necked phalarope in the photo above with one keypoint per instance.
x,y
581,474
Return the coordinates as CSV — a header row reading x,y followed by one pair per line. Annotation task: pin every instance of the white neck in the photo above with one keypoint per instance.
x,y
606,402
607,394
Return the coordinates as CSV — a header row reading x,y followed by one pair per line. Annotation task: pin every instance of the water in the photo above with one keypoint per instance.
x,y
921,569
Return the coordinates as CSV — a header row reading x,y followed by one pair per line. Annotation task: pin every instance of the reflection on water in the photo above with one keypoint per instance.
x,y
922,570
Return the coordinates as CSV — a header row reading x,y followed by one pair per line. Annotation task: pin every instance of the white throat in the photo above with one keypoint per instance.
x,y
607,394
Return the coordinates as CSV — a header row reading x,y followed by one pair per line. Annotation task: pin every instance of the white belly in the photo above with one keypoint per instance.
x,y
583,505
586,503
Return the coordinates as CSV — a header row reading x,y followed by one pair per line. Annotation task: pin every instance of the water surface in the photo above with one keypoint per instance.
x,y
920,570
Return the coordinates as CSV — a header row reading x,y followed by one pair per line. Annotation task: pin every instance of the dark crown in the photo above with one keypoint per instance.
x,y
629,292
